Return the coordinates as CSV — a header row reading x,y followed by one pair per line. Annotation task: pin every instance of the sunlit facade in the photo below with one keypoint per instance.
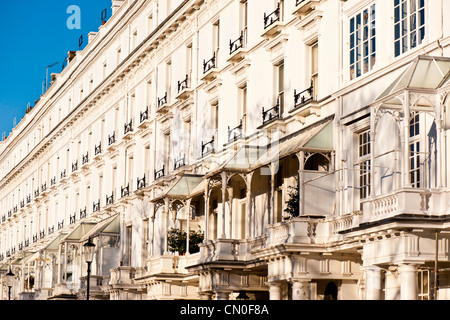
x,y
229,149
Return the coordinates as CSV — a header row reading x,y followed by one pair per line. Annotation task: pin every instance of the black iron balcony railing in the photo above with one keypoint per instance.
x,y
15,209
3,218
235,133
162,101
72,219
210,64
96,206
44,187
98,149
8,253
75,166
160,173
125,191
20,246
51,229
63,174
27,242
42,233
237,44
144,115
53,181
271,18
9,213
60,225
13,250
182,85
111,139
83,213
208,147
110,199
141,183
85,158
304,96
179,163
22,203
271,114
128,127
35,238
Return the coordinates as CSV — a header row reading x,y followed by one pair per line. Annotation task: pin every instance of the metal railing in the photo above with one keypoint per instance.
x,y
210,64
237,44
272,113
304,96
182,85
271,18
160,173
208,147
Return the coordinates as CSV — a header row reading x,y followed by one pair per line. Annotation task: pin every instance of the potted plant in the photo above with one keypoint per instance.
x,y
177,241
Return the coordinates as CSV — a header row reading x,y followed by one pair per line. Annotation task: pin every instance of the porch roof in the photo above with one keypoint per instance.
x,y
78,233
109,225
425,73
184,187
316,137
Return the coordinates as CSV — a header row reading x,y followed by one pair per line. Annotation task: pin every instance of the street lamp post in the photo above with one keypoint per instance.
x,y
89,250
9,280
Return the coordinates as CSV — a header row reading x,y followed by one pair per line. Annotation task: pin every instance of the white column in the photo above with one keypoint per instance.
x,y
406,127
300,290
408,281
188,224
222,295
275,291
224,194
373,283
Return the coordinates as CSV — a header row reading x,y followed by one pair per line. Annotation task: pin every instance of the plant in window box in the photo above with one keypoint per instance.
x,y
177,241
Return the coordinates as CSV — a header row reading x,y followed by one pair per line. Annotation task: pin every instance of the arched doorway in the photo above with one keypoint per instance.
x,y
331,292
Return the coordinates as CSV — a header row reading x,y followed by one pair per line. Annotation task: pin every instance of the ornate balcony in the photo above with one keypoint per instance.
x,y
404,203
109,199
96,206
210,71
304,7
82,213
98,150
273,24
125,191
305,104
235,133
238,51
179,163
271,114
128,129
74,167
208,147
85,159
111,139
160,173
141,183
144,119
163,104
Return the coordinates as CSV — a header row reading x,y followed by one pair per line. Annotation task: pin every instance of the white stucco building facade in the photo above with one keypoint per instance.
x,y
203,116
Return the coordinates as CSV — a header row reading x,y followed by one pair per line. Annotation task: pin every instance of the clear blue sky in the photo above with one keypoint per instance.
x,y
34,35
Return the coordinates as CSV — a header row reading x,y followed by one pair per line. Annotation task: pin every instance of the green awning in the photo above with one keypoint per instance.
x,y
79,232
318,137
109,225
182,188
429,73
